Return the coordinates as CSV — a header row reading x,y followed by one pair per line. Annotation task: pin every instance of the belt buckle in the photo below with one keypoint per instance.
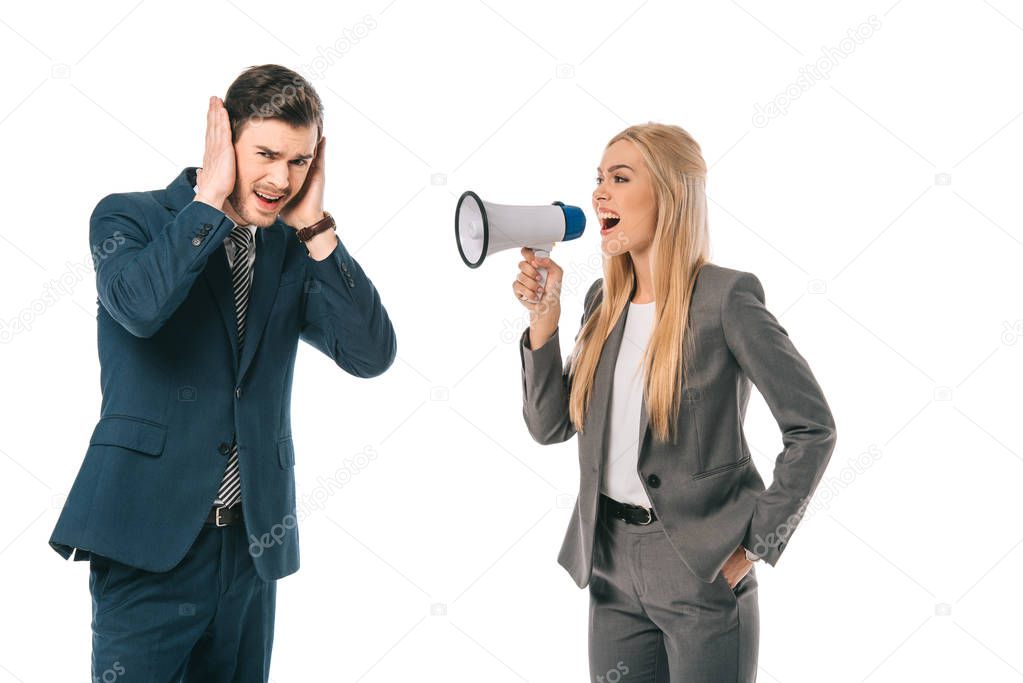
x,y
649,517
217,518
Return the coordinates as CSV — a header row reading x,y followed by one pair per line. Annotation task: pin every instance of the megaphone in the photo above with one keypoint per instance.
x,y
482,228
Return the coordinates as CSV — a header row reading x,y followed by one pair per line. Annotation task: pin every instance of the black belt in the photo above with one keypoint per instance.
x,y
224,516
633,514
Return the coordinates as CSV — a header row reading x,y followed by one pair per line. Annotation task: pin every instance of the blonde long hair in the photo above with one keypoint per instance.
x,y
680,248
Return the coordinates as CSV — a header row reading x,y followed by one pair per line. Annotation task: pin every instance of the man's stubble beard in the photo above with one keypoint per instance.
x,y
260,220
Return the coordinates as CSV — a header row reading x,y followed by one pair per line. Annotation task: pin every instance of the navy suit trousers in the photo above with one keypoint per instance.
x,y
209,618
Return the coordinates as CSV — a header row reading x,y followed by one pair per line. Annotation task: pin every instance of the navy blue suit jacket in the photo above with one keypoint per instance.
x,y
176,391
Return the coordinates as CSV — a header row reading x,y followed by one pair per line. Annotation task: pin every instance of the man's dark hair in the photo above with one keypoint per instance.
x,y
272,91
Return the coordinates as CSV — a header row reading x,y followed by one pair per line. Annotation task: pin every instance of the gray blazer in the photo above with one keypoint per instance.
x,y
703,486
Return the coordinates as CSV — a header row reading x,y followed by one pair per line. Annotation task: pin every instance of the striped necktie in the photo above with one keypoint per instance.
x,y
241,279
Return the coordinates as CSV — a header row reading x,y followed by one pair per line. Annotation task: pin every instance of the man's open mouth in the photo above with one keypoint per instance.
x,y
268,201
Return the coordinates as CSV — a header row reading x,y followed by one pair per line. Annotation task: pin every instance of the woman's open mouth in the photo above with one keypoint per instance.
x,y
608,220
268,202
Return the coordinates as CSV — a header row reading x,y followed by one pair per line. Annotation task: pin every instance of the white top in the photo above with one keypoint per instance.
x,y
620,479
230,246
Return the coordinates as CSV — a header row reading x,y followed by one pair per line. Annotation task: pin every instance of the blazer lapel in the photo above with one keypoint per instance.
x,y
179,193
644,418
218,277
644,422
603,381
271,244
603,385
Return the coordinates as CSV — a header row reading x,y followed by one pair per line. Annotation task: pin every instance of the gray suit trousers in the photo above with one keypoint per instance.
x,y
652,619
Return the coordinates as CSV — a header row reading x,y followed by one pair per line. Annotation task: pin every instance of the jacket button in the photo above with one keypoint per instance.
x,y
654,481
196,241
237,392
207,226
224,448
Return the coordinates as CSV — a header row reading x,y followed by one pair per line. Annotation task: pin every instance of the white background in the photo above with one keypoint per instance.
x,y
877,211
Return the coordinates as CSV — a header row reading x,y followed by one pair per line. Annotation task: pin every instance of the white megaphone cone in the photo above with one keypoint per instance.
x,y
482,228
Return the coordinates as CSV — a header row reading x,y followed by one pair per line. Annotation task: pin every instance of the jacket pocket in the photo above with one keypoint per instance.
x,y
723,468
133,433
286,453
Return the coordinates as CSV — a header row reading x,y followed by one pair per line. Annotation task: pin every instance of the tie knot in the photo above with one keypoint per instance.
x,y
241,236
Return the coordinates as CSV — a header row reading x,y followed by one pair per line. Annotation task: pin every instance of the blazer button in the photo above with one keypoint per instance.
x,y
654,481
237,392
196,241
224,448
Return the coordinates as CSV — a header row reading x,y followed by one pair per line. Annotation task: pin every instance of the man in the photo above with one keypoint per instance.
x,y
185,501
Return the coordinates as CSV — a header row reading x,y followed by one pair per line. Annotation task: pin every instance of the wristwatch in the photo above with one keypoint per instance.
x,y
310,231
750,556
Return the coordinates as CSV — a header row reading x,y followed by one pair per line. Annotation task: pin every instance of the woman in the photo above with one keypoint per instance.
x,y
671,512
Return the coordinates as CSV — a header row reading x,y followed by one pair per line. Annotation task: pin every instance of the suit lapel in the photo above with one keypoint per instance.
x,y
604,380
604,384
644,422
271,244
644,418
218,277
217,274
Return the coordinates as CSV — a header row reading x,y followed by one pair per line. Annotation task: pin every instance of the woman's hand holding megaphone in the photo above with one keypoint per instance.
x,y
543,303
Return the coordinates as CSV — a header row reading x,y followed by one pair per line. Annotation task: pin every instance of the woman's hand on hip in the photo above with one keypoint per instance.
x,y
736,567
